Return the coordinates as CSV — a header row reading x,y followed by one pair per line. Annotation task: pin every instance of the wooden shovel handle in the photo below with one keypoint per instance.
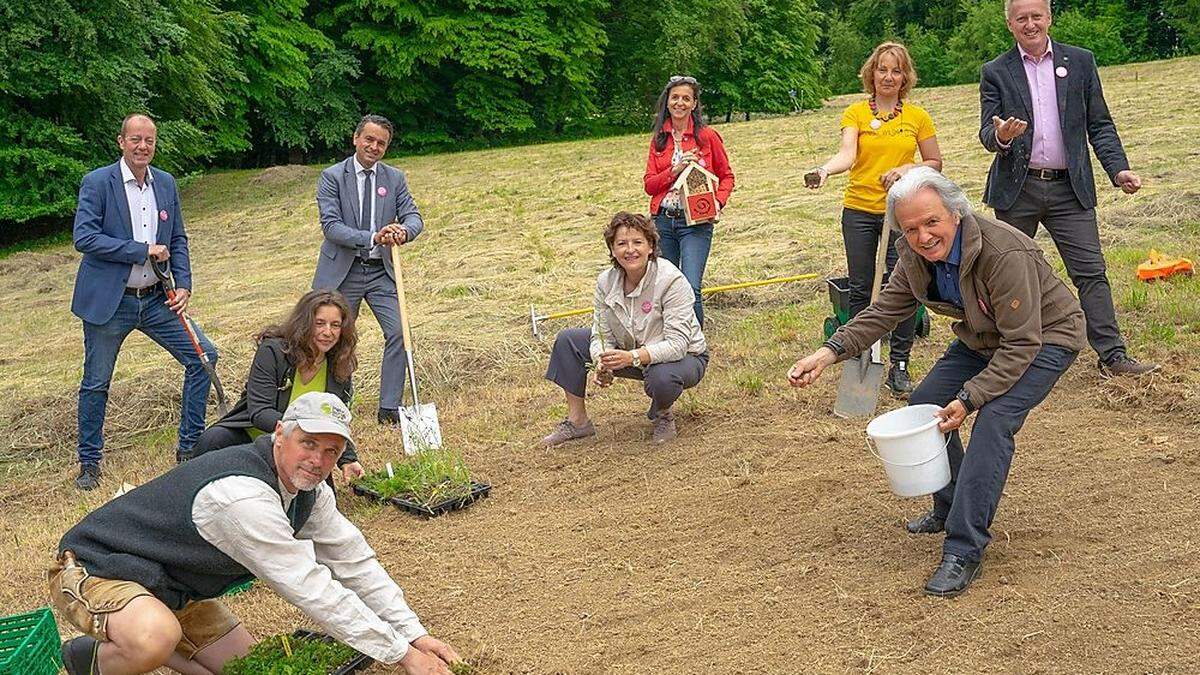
x,y
880,262
404,331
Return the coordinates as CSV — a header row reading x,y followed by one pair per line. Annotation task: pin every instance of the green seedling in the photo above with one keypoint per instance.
x,y
426,478
307,656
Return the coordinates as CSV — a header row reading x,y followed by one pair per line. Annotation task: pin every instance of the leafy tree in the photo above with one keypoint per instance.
x,y
846,49
1099,33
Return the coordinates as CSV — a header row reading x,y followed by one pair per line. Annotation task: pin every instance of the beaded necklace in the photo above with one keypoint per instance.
x,y
877,122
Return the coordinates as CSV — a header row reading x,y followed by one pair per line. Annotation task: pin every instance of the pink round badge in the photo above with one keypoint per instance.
x,y
1060,71
382,191
646,307
162,215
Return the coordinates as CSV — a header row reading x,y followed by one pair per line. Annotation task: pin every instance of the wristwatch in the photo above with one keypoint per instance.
x,y
637,360
965,398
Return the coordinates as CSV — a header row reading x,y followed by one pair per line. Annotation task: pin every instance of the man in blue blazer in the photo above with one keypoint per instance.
x,y
128,214
365,207
1041,104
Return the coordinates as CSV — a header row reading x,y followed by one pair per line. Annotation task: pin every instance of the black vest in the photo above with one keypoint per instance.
x,y
147,535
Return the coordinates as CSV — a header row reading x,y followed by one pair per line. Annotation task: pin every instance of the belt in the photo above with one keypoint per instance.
x,y
143,292
370,262
670,213
1048,174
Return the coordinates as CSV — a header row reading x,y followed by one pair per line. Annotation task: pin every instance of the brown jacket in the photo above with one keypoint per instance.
x,y
1013,303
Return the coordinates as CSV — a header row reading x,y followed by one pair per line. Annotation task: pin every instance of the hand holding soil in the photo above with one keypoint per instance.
x,y
808,369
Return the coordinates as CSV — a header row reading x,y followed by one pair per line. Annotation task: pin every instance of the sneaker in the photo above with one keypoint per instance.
x,y
897,379
664,428
79,656
89,477
565,431
952,576
1123,365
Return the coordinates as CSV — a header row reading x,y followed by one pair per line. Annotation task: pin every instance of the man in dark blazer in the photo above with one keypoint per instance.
x,y
128,214
365,207
1040,105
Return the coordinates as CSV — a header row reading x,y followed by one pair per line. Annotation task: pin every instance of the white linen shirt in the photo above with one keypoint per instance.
x,y
327,569
143,217
359,178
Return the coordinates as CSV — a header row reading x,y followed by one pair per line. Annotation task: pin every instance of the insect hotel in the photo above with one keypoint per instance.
x,y
697,193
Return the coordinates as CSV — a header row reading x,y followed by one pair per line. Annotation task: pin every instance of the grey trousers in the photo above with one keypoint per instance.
x,y
1073,229
372,283
664,382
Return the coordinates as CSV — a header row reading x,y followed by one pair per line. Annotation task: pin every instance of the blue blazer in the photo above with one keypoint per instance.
x,y
338,206
104,235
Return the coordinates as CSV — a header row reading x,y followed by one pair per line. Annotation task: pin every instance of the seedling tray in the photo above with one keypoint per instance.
x,y
29,644
355,664
478,491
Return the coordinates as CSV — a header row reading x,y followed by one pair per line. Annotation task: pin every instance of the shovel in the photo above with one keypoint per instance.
x,y
418,422
858,390
164,275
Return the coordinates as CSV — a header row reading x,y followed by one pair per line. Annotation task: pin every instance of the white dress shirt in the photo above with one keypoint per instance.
x,y
359,178
327,569
143,216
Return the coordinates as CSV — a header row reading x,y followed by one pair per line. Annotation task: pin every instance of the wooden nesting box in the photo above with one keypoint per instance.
x,y
697,194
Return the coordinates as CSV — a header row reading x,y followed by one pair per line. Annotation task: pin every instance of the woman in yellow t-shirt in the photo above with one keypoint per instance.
x,y
880,137
312,350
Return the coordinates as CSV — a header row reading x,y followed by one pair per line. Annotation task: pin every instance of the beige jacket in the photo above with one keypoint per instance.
x,y
657,314
1013,303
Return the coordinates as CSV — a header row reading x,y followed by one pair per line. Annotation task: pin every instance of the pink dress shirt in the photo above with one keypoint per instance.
x,y
1048,151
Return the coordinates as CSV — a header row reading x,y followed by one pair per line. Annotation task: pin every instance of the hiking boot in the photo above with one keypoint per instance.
x,y
1123,365
182,455
897,379
79,655
928,523
388,417
952,576
89,477
664,428
565,431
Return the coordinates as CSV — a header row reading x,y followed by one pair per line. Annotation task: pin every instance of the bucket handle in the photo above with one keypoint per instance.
x,y
871,449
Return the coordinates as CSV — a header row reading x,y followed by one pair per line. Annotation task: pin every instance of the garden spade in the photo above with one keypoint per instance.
x,y
858,390
418,422
163,272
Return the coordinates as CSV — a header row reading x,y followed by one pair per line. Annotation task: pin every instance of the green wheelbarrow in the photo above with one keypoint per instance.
x,y
839,296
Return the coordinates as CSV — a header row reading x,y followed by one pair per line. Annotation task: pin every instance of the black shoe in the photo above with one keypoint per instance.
x,y
388,417
89,477
952,576
897,379
79,655
1123,365
930,523
182,456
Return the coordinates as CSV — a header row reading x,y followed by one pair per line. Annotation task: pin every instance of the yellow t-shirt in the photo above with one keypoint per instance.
x,y
880,150
299,388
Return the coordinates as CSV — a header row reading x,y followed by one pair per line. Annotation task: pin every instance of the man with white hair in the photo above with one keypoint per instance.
x,y
1018,326
1041,104
140,576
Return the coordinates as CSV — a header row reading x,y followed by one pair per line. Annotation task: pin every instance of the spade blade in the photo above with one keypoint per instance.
x,y
858,390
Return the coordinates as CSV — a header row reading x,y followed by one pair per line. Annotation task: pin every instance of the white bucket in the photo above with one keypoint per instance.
x,y
912,449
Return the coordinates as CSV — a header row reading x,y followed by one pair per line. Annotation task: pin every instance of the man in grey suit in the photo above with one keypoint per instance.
x,y
1040,105
365,207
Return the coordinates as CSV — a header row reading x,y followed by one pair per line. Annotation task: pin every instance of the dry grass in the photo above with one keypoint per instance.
x,y
764,539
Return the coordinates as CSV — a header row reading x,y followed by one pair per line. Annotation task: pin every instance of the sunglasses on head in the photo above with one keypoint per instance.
x,y
686,79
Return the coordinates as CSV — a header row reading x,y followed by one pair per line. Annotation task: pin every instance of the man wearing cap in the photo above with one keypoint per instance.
x,y
140,575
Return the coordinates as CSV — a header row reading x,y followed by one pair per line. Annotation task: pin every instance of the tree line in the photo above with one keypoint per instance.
x,y
236,83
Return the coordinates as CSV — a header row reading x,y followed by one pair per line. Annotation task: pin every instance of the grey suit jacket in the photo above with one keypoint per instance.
x,y
1083,115
338,207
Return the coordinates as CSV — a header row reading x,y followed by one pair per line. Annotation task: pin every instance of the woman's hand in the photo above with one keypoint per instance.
x,y
889,179
815,179
689,156
616,359
808,369
352,471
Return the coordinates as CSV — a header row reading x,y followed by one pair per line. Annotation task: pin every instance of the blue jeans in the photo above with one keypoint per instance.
x,y
686,248
969,502
102,342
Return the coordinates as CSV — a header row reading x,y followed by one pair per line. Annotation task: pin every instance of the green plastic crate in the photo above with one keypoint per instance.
x,y
30,644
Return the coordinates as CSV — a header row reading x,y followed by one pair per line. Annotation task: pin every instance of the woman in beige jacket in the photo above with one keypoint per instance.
x,y
644,327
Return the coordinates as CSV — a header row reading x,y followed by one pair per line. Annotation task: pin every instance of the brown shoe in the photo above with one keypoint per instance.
x,y
1123,365
565,431
664,428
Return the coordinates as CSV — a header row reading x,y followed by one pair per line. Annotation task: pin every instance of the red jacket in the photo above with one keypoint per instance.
x,y
658,178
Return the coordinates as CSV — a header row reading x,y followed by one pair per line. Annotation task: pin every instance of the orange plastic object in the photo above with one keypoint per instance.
x,y
1161,267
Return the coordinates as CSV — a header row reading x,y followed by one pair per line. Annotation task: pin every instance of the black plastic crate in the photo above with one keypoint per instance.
x,y
355,664
478,491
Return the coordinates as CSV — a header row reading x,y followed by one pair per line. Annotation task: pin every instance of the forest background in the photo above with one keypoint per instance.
x,y
245,83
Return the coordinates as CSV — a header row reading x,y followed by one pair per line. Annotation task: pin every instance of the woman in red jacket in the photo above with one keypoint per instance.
x,y
680,136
